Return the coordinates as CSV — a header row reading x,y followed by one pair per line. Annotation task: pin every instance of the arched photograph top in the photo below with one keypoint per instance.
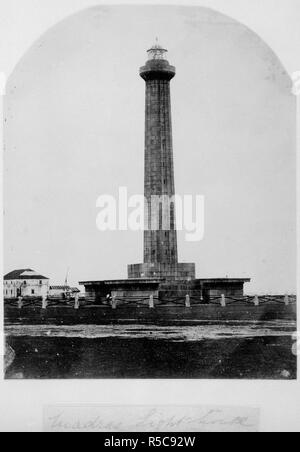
x,y
150,197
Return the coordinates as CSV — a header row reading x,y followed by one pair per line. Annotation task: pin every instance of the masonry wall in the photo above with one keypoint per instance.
x,y
33,287
159,315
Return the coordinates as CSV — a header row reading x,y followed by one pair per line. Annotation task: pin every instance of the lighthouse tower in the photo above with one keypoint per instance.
x,y
160,236
160,275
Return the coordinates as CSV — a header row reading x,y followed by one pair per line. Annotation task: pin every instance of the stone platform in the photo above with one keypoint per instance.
x,y
166,271
163,289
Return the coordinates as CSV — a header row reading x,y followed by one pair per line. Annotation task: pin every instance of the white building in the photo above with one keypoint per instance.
x,y
25,283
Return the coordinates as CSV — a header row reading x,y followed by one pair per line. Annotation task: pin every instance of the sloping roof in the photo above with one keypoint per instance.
x,y
65,288
60,288
75,290
26,273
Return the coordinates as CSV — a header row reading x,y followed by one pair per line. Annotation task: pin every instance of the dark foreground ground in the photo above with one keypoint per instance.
x,y
77,358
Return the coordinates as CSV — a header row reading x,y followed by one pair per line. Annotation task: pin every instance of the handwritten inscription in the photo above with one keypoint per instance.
x,y
151,419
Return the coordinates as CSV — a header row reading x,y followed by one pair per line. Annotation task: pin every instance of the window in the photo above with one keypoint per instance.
x,y
41,283
25,283
32,292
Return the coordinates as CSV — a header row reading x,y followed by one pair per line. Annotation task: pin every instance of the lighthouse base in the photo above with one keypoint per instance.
x,y
139,291
162,271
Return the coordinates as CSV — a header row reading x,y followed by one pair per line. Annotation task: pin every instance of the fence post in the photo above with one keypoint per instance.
x,y
187,301
44,302
201,297
286,300
114,303
256,301
20,302
223,301
151,302
76,305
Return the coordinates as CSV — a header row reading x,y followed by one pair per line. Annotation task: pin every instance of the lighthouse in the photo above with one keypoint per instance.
x,y
160,236
161,275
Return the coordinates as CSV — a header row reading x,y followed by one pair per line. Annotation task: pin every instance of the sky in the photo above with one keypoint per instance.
x,y
74,126
22,22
